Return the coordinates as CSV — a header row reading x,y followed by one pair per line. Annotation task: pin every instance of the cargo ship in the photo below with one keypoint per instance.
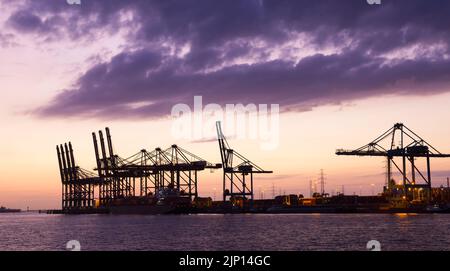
x,y
6,210
165,201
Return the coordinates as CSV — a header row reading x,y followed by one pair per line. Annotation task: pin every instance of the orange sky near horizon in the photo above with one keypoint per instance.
x,y
33,70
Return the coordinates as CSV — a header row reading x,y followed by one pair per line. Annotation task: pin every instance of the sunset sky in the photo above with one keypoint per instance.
x,y
342,73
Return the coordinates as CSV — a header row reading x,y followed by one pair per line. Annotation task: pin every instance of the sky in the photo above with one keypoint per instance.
x,y
342,72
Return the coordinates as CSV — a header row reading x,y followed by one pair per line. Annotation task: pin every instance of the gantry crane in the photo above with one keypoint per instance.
x,y
401,142
117,182
173,167
236,169
154,170
77,183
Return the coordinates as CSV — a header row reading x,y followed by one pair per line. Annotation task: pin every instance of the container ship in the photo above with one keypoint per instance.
x,y
165,201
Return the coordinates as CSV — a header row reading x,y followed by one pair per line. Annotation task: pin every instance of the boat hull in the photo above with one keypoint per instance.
x,y
10,210
143,209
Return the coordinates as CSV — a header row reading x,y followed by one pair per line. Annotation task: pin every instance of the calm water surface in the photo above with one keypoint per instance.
x,y
32,231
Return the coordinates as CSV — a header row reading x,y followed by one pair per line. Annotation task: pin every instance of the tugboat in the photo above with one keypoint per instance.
x,y
166,201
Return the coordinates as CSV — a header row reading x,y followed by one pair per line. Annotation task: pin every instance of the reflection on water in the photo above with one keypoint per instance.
x,y
31,231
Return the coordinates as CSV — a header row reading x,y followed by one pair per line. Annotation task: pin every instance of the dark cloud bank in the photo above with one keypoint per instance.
x,y
399,47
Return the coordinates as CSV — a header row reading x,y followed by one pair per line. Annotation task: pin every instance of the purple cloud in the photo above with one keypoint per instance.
x,y
295,53
26,21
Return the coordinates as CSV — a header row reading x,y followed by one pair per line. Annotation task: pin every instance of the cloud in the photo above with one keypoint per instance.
x,y
26,21
135,77
7,40
299,54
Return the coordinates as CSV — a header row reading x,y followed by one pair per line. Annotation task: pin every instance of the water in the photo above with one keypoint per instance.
x,y
32,231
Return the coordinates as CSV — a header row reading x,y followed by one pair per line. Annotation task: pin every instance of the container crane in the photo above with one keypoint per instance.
x,y
401,142
237,171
